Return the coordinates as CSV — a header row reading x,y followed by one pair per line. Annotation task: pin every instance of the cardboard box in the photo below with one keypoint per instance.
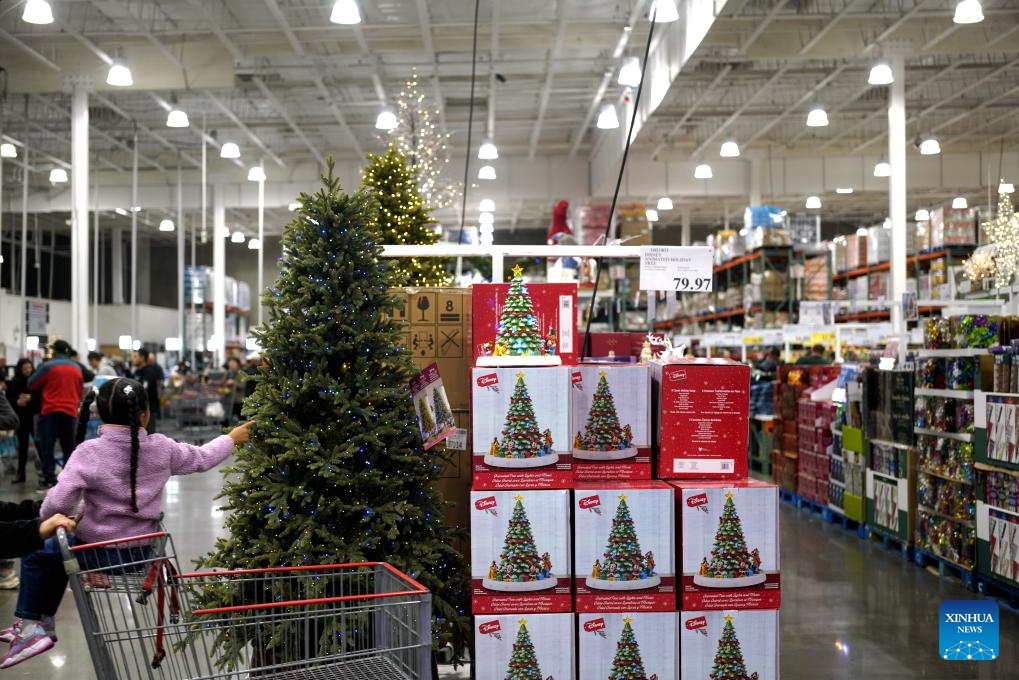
x,y
437,328
611,422
706,636
555,310
541,643
520,552
454,482
609,345
624,551
728,548
521,424
701,411
602,634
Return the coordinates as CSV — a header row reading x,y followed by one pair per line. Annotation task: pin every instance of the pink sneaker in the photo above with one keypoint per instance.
x,y
8,634
29,643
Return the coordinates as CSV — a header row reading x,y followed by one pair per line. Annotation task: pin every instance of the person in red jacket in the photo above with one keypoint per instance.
x,y
61,384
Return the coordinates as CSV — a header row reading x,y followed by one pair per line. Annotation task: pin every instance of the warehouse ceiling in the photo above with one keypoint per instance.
x,y
290,87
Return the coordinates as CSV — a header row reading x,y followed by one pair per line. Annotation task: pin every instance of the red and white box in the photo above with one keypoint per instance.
x,y
701,412
746,641
521,428
611,422
539,645
728,548
555,311
520,552
624,554
610,643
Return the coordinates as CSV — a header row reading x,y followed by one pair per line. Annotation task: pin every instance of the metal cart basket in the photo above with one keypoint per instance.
x,y
364,621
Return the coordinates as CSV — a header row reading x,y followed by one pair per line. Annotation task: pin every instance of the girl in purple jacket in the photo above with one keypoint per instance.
x,y
114,486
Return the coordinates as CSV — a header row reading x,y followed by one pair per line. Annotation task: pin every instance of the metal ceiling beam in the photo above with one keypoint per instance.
x,y
578,136
980,128
887,33
425,24
881,110
819,36
546,88
731,119
39,57
763,25
799,102
338,115
217,30
937,105
285,115
691,110
108,103
940,36
256,140
979,107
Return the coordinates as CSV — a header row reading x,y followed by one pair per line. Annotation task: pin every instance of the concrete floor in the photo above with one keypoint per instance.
x,y
849,609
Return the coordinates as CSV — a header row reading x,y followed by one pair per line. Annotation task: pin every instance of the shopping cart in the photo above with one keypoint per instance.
x,y
364,621
197,412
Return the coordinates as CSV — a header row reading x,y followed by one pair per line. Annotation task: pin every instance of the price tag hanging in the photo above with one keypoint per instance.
x,y
685,269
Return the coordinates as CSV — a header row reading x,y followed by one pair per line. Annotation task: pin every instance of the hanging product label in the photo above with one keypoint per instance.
x,y
677,268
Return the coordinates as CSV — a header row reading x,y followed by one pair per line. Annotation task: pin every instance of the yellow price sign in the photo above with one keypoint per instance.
x,y
753,339
822,337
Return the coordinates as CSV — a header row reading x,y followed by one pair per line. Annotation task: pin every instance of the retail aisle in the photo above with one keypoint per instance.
x,y
848,610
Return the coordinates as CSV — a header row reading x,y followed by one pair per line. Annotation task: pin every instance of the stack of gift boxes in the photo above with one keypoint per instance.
x,y
583,564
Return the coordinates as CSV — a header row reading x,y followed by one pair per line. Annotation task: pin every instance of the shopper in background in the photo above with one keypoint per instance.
x,y
814,358
118,480
766,367
8,576
236,378
60,381
151,377
26,405
100,364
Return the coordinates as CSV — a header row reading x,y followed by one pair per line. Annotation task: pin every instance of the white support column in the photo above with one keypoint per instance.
x,y
96,269
117,266
897,187
134,239
180,253
261,246
24,251
684,239
79,213
218,272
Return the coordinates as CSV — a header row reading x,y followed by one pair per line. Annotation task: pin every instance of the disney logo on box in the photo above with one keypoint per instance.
x,y
697,623
589,502
594,625
485,503
576,377
490,627
488,380
697,501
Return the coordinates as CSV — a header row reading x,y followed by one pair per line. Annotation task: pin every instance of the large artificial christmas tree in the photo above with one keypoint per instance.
x,y
403,217
729,658
623,565
335,471
520,566
602,432
1003,233
518,333
522,444
627,664
731,564
523,663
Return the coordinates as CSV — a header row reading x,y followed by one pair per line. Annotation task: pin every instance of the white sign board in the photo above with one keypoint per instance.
x,y
684,269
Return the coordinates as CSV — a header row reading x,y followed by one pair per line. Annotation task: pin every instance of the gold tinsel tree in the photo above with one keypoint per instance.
x,y
419,137
403,217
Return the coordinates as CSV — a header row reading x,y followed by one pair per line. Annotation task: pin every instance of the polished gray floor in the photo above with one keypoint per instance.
x,y
849,609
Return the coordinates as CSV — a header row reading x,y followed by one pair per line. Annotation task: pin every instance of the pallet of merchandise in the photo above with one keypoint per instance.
x,y
945,567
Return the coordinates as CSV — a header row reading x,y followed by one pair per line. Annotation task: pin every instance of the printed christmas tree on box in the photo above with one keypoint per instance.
x,y
731,645
603,437
623,566
523,444
535,647
521,338
731,565
520,567
628,646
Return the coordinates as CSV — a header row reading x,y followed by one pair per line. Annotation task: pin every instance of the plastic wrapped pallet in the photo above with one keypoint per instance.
x,y
853,260
879,244
841,254
816,278
761,237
